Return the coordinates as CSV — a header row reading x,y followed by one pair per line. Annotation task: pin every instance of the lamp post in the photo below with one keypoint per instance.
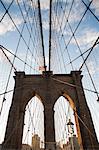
x,y
70,126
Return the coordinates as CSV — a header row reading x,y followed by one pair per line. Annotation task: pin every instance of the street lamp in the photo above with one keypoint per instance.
x,y
70,126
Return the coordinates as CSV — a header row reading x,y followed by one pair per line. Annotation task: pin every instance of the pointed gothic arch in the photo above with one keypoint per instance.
x,y
73,107
33,120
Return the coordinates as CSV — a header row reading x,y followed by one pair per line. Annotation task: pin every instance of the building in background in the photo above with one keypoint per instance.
x,y
72,144
35,142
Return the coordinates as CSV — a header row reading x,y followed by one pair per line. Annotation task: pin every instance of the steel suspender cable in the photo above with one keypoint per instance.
x,y
2,47
8,59
41,29
50,31
89,53
78,24
82,54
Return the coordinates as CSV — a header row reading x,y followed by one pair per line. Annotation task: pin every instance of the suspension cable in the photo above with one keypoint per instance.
x,y
50,31
41,29
89,53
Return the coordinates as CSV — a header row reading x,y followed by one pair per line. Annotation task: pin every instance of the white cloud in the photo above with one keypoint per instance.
x,y
86,37
3,57
6,25
95,6
53,43
77,11
58,19
9,1
44,4
45,25
92,67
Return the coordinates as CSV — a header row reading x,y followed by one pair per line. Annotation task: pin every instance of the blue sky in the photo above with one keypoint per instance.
x,y
86,34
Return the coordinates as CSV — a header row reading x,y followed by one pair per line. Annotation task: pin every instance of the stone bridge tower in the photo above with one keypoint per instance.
x,y
49,87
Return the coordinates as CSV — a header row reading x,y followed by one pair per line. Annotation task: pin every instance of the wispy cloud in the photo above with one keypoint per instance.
x,y
92,67
7,26
3,57
45,24
44,4
95,6
86,37
59,17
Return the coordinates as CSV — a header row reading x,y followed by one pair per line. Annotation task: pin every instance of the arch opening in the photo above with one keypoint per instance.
x,y
63,113
33,132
